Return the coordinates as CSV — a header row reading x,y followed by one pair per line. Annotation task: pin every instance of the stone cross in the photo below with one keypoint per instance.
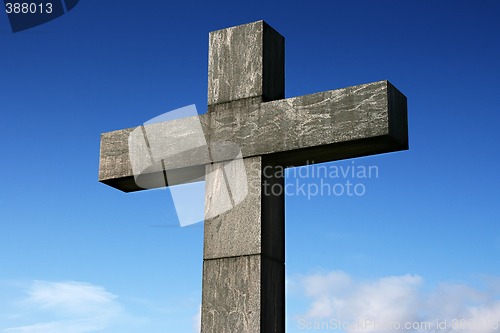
x,y
244,254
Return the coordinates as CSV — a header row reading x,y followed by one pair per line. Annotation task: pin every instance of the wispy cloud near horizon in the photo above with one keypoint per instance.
x,y
69,307
394,303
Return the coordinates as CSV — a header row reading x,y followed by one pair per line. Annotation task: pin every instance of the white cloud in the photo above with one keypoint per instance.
x,y
72,298
71,307
384,304
197,321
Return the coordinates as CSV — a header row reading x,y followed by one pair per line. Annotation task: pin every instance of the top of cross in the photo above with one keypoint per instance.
x,y
246,107
246,61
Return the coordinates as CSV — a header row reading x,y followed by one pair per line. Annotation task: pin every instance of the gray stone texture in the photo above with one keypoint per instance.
x,y
256,225
244,247
246,61
235,232
327,126
243,294
244,255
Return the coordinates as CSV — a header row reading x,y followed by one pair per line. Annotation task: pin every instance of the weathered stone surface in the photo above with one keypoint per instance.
x,y
246,61
231,297
235,232
254,226
243,268
364,117
244,254
332,125
243,294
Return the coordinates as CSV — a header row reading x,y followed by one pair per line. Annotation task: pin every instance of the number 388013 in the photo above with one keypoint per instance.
x,y
28,8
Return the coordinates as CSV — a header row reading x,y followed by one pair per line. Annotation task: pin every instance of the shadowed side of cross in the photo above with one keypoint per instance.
x,y
243,268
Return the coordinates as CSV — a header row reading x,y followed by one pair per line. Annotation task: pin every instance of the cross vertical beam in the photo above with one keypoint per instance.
x,y
244,248
243,268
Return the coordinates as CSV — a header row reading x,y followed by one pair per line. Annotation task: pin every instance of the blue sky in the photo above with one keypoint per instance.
x,y
421,244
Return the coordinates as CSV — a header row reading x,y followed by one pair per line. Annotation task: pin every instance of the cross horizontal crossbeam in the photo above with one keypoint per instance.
x,y
249,125
332,125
